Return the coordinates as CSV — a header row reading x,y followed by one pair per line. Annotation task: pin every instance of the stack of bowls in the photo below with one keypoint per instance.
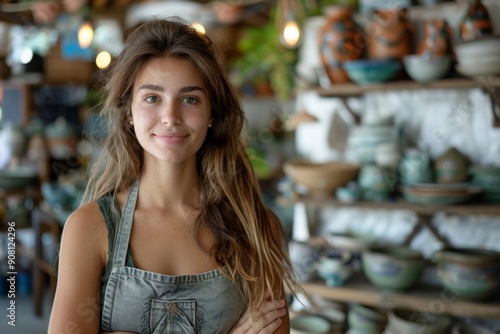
x,y
478,57
412,322
392,267
488,179
365,138
469,273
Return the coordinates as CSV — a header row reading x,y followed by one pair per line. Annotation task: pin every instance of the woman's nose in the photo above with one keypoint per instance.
x,y
170,114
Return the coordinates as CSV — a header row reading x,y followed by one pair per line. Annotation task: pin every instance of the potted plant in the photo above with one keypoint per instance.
x,y
264,61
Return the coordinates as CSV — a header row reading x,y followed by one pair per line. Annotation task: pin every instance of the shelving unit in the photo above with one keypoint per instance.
x,y
474,208
420,298
352,89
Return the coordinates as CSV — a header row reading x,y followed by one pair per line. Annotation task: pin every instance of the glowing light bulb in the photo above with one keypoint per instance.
x,y
103,59
85,35
291,34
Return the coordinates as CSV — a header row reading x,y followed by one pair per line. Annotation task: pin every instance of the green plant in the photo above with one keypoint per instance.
x,y
263,58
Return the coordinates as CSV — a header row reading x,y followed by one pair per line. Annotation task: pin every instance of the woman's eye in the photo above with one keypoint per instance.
x,y
151,98
190,99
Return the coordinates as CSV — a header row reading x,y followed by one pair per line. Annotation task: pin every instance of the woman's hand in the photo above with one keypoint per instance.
x,y
269,319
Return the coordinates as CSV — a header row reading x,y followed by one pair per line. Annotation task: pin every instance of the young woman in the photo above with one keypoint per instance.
x,y
174,236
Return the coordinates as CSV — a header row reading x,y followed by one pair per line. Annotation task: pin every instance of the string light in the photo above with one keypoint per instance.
x,y
103,59
289,20
85,35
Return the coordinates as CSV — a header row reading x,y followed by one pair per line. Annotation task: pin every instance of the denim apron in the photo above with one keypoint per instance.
x,y
145,302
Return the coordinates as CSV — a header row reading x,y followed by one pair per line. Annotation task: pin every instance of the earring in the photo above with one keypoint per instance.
x,y
131,122
209,125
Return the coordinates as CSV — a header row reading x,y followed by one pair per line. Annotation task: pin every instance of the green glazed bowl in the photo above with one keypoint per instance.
x,y
392,267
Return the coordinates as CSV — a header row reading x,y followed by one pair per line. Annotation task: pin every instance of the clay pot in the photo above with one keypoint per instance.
x,y
339,40
389,34
476,22
436,37
451,167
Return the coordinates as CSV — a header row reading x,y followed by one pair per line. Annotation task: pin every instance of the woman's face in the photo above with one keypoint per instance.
x,y
170,109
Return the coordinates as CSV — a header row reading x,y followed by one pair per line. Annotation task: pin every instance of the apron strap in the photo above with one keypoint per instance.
x,y
125,226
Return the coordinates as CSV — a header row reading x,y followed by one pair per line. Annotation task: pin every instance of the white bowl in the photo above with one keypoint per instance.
x,y
478,68
425,68
478,47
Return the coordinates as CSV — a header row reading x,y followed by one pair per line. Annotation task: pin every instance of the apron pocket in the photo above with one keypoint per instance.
x,y
173,316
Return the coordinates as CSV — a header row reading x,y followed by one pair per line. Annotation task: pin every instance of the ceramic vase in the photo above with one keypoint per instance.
x,y
339,40
389,34
436,37
476,22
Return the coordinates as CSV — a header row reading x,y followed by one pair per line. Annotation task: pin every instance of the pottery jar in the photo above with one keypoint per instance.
x,y
476,22
451,167
389,34
339,40
436,37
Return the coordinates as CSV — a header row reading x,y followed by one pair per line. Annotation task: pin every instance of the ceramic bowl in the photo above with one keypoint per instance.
x,y
309,324
479,68
320,179
474,256
477,48
412,322
392,267
425,67
370,71
348,242
366,319
335,270
469,273
348,194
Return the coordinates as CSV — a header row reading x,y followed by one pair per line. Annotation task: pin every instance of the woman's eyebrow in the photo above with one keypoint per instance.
x,y
152,87
188,89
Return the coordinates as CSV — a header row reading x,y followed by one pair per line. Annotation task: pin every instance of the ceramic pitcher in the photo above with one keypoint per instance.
x,y
389,34
436,37
339,40
451,167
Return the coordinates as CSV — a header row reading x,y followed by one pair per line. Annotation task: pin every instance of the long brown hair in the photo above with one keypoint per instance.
x,y
231,206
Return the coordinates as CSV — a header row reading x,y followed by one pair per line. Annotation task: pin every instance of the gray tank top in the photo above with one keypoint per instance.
x,y
139,301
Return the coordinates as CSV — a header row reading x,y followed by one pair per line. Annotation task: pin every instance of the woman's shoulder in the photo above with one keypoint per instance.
x,y
86,225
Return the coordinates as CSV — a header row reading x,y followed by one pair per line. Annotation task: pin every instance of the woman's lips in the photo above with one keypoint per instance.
x,y
171,138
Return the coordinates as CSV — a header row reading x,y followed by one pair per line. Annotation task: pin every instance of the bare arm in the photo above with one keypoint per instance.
x,y
76,307
273,316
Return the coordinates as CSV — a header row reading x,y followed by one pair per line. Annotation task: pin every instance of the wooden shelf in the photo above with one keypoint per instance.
x,y
352,89
426,210
421,299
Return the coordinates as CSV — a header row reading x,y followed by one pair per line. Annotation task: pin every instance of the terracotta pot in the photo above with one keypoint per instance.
x,y
339,40
389,34
476,22
436,37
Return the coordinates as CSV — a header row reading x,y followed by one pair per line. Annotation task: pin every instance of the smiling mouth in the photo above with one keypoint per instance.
x,y
171,138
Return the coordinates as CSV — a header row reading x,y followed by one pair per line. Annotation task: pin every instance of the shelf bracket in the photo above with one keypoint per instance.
x,y
356,117
426,221
494,95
